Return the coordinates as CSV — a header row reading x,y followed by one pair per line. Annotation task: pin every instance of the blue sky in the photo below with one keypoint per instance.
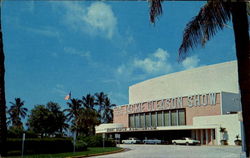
x,y
53,47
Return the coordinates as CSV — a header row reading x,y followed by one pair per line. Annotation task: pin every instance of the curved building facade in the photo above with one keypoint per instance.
x,y
213,78
196,103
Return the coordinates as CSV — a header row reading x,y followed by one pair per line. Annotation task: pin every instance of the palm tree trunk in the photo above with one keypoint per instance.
x,y
240,24
3,127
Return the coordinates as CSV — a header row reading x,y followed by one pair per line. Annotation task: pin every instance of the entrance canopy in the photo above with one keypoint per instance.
x,y
116,129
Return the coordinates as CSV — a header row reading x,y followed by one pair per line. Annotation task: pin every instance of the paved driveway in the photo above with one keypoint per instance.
x,y
172,151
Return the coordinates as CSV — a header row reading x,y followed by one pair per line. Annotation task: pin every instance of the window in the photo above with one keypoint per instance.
x,y
142,120
166,118
173,118
131,121
159,118
148,123
182,120
137,120
153,119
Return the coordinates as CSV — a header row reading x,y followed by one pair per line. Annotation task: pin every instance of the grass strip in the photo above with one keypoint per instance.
x,y
91,151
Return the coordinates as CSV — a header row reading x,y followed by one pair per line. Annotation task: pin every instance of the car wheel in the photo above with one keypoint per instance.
x,y
174,143
187,143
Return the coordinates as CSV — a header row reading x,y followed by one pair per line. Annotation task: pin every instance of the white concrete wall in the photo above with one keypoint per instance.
x,y
230,102
230,122
213,78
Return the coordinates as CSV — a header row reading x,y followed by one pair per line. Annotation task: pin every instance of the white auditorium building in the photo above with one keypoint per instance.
x,y
202,103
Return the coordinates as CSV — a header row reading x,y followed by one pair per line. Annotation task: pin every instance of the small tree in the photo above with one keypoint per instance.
x,y
47,120
38,120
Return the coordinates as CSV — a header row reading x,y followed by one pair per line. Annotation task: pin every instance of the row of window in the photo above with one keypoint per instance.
x,y
158,118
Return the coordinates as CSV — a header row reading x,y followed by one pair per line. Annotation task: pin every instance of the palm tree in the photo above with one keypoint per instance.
x,y
211,18
16,112
74,108
99,100
100,97
107,114
58,118
74,113
3,125
88,101
87,121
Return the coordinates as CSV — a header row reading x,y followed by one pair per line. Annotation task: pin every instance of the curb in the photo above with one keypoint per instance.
x,y
98,154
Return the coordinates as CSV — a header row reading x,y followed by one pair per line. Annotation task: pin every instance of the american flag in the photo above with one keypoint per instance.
x,y
68,96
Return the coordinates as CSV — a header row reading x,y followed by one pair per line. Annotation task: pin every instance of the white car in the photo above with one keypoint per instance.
x,y
186,141
131,141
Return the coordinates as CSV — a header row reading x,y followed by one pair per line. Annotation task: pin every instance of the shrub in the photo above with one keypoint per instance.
x,y
96,141
15,132
40,145
81,145
18,133
110,142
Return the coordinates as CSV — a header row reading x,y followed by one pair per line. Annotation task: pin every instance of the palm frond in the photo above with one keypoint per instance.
x,y
155,9
211,18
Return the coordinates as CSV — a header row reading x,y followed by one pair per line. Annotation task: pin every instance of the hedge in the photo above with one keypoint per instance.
x,y
55,145
40,145
97,141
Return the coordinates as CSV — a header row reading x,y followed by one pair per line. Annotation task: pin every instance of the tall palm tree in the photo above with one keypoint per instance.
x,y
107,114
88,101
99,100
3,125
17,111
211,18
74,113
74,108
100,97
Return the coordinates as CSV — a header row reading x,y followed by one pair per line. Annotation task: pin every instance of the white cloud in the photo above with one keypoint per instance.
x,y
191,62
96,20
74,14
156,63
121,69
138,69
45,31
100,18
161,54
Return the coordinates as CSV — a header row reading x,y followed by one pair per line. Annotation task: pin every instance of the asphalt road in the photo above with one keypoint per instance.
x,y
176,151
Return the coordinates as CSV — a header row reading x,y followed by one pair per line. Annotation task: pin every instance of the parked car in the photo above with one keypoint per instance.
x,y
152,141
131,141
186,141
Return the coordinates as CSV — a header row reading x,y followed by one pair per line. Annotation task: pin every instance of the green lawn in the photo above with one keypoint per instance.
x,y
93,150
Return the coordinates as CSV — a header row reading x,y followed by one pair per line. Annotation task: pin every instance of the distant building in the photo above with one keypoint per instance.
x,y
195,103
